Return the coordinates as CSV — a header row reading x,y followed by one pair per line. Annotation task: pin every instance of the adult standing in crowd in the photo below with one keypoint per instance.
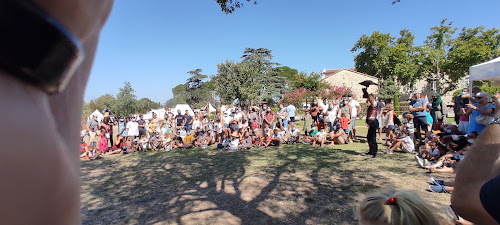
x,y
418,107
282,116
380,116
332,116
437,110
179,119
291,114
355,108
142,125
93,124
460,101
132,128
314,111
188,121
269,118
372,123
481,108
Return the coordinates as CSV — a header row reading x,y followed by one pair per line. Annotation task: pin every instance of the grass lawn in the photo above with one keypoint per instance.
x,y
294,184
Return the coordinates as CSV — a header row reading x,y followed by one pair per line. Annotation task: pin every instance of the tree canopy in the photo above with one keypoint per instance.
x,y
255,78
443,58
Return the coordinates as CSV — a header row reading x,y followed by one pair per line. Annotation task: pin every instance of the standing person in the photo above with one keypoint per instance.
x,y
355,108
269,118
155,121
314,111
389,123
179,119
418,107
372,123
481,108
263,114
307,122
142,125
103,140
464,120
291,113
460,101
92,124
437,110
282,117
121,127
321,119
188,121
132,128
332,116
380,112
346,108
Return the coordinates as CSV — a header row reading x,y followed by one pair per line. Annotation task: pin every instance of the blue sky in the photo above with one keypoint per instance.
x,y
154,43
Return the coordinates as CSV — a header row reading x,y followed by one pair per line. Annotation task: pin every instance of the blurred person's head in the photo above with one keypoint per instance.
x,y
482,97
391,207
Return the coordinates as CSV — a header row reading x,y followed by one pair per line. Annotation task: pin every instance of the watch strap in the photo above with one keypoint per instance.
x,y
35,47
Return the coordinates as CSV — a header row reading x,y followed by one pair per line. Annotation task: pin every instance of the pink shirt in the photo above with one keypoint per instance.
x,y
465,118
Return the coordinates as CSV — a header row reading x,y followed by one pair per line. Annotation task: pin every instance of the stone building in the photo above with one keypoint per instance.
x,y
349,78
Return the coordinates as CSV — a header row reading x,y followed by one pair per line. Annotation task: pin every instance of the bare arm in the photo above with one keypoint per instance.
x,y
481,165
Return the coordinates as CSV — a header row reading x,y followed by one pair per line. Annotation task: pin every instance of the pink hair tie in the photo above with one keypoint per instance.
x,y
390,201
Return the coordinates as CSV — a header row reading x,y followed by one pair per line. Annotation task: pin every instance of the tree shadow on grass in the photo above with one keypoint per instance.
x,y
290,185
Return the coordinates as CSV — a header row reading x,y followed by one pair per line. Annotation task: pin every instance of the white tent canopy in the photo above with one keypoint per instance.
x,y
160,113
97,114
485,71
183,108
210,108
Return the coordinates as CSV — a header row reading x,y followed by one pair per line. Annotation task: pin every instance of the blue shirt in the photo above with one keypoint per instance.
x,y
291,110
473,125
418,103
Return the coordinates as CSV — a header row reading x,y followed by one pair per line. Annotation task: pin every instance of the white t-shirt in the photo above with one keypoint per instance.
x,y
196,124
409,142
295,132
291,110
354,107
132,128
233,145
332,115
321,134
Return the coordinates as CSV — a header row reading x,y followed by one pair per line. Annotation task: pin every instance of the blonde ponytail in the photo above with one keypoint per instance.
x,y
395,208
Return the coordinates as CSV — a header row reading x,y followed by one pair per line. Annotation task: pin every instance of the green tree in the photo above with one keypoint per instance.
x,y
435,50
310,81
125,100
196,93
373,54
289,74
255,78
106,101
228,6
143,105
388,90
471,47
405,59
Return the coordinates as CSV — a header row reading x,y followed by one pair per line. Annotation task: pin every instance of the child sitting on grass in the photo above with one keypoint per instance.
x,y
403,141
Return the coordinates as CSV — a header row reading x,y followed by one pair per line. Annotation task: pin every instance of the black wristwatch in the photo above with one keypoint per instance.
x,y
36,48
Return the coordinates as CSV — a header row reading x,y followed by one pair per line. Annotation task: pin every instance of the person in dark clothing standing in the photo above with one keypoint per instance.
x,y
188,121
179,119
372,122
142,126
